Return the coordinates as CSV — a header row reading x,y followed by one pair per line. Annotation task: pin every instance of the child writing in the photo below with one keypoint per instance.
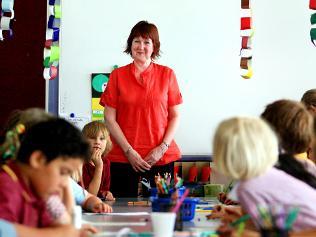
x,y
48,153
246,149
96,172
72,192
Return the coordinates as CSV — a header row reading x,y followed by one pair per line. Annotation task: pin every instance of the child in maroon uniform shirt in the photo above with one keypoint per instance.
x,y
49,152
96,172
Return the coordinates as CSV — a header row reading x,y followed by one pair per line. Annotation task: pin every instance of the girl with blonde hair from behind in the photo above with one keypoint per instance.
x,y
246,149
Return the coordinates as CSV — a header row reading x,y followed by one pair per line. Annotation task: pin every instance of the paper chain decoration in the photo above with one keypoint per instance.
x,y
51,50
6,19
246,33
312,6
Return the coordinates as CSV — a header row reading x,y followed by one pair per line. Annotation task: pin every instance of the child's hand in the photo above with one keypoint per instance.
x,y
57,210
226,213
108,196
222,197
96,157
101,208
218,212
231,213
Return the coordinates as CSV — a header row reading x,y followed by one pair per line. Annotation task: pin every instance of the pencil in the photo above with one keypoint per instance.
x,y
178,205
138,203
229,186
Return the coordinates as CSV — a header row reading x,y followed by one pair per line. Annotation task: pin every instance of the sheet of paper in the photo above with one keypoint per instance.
x,y
114,223
76,121
118,214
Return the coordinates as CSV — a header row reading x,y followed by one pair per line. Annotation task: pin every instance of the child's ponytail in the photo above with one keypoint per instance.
x,y
9,148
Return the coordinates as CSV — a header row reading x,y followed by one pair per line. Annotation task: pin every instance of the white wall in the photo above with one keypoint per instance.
x,y
200,40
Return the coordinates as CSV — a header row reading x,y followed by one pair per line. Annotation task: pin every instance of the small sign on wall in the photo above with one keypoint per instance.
x,y
99,82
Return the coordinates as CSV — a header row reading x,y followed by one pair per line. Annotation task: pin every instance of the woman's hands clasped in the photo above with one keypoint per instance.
x,y
151,159
154,155
136,161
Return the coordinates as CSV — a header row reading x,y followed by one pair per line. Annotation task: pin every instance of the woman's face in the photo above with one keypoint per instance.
x,y
142,49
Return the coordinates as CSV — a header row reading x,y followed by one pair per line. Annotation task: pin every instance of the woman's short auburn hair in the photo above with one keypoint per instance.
x,y
145,30
92,129
244,147
293,124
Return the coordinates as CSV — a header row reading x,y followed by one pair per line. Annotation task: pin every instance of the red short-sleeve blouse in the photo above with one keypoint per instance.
x,y
142,108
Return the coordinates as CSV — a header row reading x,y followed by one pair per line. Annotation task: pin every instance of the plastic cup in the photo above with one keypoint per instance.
x,y
163,223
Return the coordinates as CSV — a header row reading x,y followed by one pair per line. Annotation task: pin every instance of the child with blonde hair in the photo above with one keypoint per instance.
x,y
96,171
246,149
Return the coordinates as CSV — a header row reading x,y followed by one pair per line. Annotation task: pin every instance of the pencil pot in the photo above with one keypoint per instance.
x,y
274,232
165,204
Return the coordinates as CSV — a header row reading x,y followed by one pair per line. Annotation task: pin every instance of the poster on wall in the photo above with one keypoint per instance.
x,y
98,85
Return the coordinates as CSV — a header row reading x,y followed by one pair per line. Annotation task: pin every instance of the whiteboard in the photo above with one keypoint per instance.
x,y
200,40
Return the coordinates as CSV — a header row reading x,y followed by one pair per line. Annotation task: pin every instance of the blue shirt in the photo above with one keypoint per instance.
x,y
78,192
7,229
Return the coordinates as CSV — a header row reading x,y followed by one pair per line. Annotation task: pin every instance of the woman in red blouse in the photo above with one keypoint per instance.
x,y
141,112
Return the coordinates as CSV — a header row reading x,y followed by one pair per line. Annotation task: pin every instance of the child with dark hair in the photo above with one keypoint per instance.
x,y
9,148
293,125
309,100
96,171
48,153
